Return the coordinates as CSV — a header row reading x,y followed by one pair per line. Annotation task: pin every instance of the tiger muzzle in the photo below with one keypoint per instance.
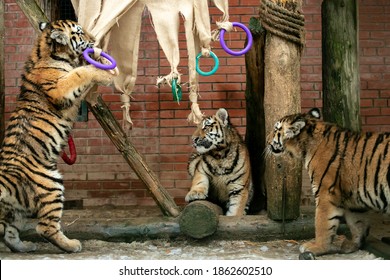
x,y
201,142
276,148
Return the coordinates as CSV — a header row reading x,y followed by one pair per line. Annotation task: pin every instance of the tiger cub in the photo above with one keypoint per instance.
x,y
349,174
220,169
53,84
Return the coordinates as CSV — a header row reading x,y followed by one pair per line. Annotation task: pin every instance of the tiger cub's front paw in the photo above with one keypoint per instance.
x,y
73,246
102,77
318,249
106,78
307,246
195,195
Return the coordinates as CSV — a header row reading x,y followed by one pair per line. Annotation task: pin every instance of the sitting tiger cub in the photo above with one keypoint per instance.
x,y
349,174
53,85
220,169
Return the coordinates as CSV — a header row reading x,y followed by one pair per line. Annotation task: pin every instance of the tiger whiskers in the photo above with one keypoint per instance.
x,y
267,153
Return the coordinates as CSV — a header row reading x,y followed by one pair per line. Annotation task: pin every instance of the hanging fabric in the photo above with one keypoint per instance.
x,y
117,24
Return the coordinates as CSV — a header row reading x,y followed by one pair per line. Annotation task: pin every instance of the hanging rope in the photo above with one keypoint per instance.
x,y
286,22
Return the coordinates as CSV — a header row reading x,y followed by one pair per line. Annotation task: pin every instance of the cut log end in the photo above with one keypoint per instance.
x,y
200,219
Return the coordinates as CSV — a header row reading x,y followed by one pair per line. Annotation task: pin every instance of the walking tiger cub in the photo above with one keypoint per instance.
x,y
53,84
349,174
220,169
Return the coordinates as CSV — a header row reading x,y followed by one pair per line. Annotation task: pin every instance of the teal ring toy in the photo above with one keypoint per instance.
x,y
176,90
216,60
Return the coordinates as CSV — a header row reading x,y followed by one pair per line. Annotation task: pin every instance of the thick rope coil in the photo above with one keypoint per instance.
x,y
282,22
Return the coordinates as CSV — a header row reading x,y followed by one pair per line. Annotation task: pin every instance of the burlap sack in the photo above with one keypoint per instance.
x,y
117,23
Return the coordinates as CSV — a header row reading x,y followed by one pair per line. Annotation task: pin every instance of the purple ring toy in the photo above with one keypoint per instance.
x,y
88,51
248,45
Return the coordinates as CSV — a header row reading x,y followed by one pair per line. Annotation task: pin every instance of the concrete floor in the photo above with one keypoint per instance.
x,y
144,233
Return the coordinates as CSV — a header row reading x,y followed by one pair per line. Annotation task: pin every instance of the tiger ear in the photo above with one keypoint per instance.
x,y
59,36
315,113
295,129
222,116
43,25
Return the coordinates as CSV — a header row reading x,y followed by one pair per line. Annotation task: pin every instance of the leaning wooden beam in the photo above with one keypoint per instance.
x,y
35,15
114,131
32,11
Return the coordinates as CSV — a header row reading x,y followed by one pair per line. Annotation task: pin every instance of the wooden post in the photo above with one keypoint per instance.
x,y
200,219
2,64
113,129
282,96
255,127
340,63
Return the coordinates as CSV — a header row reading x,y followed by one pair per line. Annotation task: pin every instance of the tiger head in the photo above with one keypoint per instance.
x,y
285,136
211,132
64,38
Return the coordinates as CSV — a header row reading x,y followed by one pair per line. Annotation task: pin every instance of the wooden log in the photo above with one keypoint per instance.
x,y
283,174
113,129
119,225
340,63
200,219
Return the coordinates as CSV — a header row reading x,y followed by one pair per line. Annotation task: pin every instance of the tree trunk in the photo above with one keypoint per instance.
x,y
283,175
255,127
340,63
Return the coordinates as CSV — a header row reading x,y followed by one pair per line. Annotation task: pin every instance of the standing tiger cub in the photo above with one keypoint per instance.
x,y
220,169
53,84
349,174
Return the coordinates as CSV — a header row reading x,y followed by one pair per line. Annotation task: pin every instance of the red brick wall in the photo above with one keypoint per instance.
x,y
161,132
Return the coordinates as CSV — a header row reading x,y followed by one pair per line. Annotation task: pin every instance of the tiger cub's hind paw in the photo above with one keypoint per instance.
x,y
68,245
307,256
21,246
59,239
73,246
13,242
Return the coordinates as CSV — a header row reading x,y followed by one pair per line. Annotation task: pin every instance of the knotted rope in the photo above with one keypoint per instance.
x,y
286,22
227,25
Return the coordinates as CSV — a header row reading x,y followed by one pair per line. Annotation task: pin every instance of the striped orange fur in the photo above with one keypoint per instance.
x,y
220,169
53,84
349,175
